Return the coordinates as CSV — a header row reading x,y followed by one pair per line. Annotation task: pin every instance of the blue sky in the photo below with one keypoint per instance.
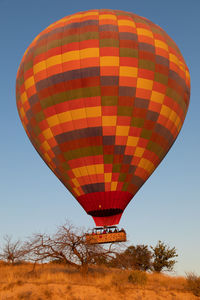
x,y
31,197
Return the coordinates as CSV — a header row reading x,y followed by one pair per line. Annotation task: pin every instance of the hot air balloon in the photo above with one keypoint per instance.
x,y
102,96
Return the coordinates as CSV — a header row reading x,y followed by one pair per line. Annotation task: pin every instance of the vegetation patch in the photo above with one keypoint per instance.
x,y
137,278
193,283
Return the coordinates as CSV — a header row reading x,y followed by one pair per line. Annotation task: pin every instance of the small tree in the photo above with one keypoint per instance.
x,y
134,257
139,257
12,251
163,257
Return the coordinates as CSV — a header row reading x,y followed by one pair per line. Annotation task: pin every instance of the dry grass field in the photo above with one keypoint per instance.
x,y
57,282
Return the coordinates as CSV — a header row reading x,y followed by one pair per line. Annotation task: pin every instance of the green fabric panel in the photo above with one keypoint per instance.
x,y
128,52
108,43
146,64
174,95
116,168
81,152
37,130
66,166
108,159
124,111
125,186
40,116
146,134
122,177
28,65
157,149
109,100
137,122
161,78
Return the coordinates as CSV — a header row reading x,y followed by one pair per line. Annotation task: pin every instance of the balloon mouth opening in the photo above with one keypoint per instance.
x,y
105,212
108,220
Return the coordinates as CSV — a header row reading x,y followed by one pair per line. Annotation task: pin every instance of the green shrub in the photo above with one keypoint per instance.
x,y
193,283
137,277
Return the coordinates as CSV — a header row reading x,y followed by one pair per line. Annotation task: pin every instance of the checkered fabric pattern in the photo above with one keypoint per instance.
x,y
102,96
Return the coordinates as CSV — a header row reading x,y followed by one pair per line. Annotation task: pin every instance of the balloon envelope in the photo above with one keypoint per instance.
x,y
102,96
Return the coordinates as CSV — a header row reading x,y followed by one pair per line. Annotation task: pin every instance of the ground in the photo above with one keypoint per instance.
x,y
60,282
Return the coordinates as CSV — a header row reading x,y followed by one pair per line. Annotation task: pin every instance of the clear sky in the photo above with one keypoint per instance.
x,y
32,199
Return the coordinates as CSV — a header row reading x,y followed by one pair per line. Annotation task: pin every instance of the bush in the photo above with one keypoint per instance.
x,y
134,257
163,257
138,277
193,283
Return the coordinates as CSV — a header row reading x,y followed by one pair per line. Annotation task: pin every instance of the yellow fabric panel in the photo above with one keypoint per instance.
x,y
128,71
79,172
65,117
53,121
78,16
76,191
175,118
107,177
132,141
22,113
187,75
178,122
165,111
99,168
112,61
179,125
70,56
107,17
90,13
157,97
114,185
145,32
89,52
29,82
126,23
47,134
47,157
45,146
182,66
93,111
109,120
91,169
144,84
54,60
75,182
139,152
146,165
161,44
74,17
122,130
173,58
88,170
66,57
24,97
39,67
78,114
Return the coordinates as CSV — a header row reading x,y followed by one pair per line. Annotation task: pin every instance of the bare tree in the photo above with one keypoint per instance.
x,y
12,251
69,245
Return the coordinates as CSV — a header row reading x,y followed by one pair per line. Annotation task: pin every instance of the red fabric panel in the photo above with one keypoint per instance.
x,y
105,200
107,221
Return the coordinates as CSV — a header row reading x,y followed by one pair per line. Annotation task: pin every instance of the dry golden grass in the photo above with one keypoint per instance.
x,y
59,282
